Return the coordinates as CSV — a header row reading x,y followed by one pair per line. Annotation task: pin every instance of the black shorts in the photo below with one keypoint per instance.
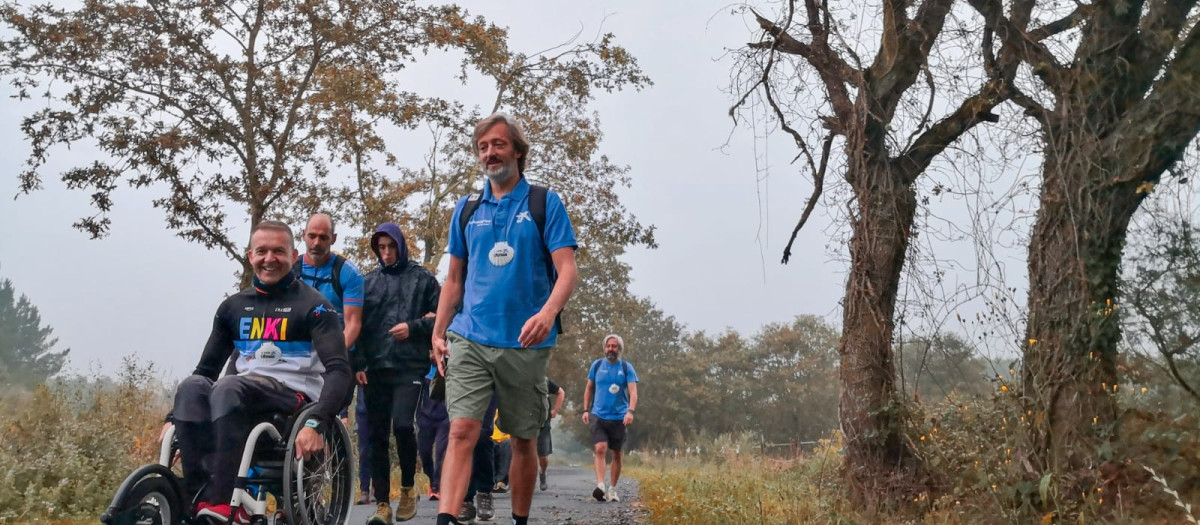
x,y
604,430
545,446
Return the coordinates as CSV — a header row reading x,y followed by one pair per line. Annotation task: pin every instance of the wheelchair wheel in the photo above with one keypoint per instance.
x,y
151,500
321,492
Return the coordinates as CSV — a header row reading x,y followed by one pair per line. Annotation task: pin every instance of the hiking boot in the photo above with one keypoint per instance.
x,y
542,479
500,487
599,492
611,495
407,508
467,513
383,514
483,503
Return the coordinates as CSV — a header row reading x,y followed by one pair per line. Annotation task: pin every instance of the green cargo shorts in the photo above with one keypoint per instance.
x,y
516,375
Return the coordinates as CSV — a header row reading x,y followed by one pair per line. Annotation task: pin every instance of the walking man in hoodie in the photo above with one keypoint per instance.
x,y
512,269
391,361
614,383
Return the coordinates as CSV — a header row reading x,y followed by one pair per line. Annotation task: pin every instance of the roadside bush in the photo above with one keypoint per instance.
x,y
66,446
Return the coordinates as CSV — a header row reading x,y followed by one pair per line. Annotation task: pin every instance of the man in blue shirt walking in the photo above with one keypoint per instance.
x,y
512,276
341,282
614,383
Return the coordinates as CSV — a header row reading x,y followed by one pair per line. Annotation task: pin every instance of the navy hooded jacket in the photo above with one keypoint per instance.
x,y
402,292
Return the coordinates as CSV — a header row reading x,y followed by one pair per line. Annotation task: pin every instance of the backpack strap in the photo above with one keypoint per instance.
x,y
464,217
335,278
595,365
625,367
338,263
537,210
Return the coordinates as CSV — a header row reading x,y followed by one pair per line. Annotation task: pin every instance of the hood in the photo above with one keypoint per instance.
x,y
392,230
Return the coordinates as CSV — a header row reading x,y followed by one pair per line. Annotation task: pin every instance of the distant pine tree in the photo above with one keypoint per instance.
x,y
27,355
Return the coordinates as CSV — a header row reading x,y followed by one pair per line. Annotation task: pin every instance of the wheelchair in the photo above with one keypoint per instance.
x,y
314,491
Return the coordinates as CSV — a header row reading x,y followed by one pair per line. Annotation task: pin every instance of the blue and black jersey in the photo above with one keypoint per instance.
x,y
289,333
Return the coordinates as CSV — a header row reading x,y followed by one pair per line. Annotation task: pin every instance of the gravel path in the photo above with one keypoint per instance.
x,y
568,502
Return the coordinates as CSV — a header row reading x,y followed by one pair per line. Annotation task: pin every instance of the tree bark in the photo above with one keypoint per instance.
x,y
880,466
1070,371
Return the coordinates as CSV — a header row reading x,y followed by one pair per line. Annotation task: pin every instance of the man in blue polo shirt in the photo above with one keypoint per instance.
x,y
341,282
614,383
501,339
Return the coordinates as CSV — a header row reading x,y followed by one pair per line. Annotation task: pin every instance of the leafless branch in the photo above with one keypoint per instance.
x,y
818,187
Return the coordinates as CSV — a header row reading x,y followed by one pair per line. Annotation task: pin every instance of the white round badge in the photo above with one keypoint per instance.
x,y
613,389
268,353
501,254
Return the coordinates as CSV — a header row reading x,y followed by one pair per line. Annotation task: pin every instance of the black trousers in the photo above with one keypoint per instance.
x,y
392,407
213,421
433,434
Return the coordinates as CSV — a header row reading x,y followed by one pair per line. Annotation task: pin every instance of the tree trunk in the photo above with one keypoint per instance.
x,y
257,211
1070,371
880,466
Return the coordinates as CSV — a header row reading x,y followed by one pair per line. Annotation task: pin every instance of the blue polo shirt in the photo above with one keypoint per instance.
x,y
497,300
612,388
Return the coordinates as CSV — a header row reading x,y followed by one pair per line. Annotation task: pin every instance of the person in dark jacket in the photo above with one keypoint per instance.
x,y
400,298
290,351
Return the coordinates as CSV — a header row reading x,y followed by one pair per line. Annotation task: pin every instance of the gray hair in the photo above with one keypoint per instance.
x,y
620,342
516,135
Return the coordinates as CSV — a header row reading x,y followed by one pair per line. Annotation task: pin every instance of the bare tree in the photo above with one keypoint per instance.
x,y
1112,87
890,116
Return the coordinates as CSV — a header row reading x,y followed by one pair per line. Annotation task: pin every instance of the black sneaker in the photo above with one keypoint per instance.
x,y
467,513
599,492
483,503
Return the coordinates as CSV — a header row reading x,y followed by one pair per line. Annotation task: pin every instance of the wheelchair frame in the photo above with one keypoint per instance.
x,y
153,494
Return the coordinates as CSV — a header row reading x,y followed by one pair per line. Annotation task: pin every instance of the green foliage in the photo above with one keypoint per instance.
x,y
941,366
1161,292
65,447
780,385
27,355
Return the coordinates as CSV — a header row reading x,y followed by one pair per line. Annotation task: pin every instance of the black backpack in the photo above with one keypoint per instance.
x,y
537,210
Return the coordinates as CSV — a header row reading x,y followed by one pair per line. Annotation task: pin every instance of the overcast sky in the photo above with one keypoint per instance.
x,y
720,227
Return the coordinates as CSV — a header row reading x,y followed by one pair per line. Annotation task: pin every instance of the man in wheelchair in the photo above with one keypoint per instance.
x,y
285,349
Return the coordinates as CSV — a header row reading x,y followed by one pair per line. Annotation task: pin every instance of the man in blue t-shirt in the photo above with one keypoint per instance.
x,y
502,274
614,383
316,268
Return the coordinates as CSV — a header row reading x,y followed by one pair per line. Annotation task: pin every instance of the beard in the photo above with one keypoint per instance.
x,y
502,173
612,356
